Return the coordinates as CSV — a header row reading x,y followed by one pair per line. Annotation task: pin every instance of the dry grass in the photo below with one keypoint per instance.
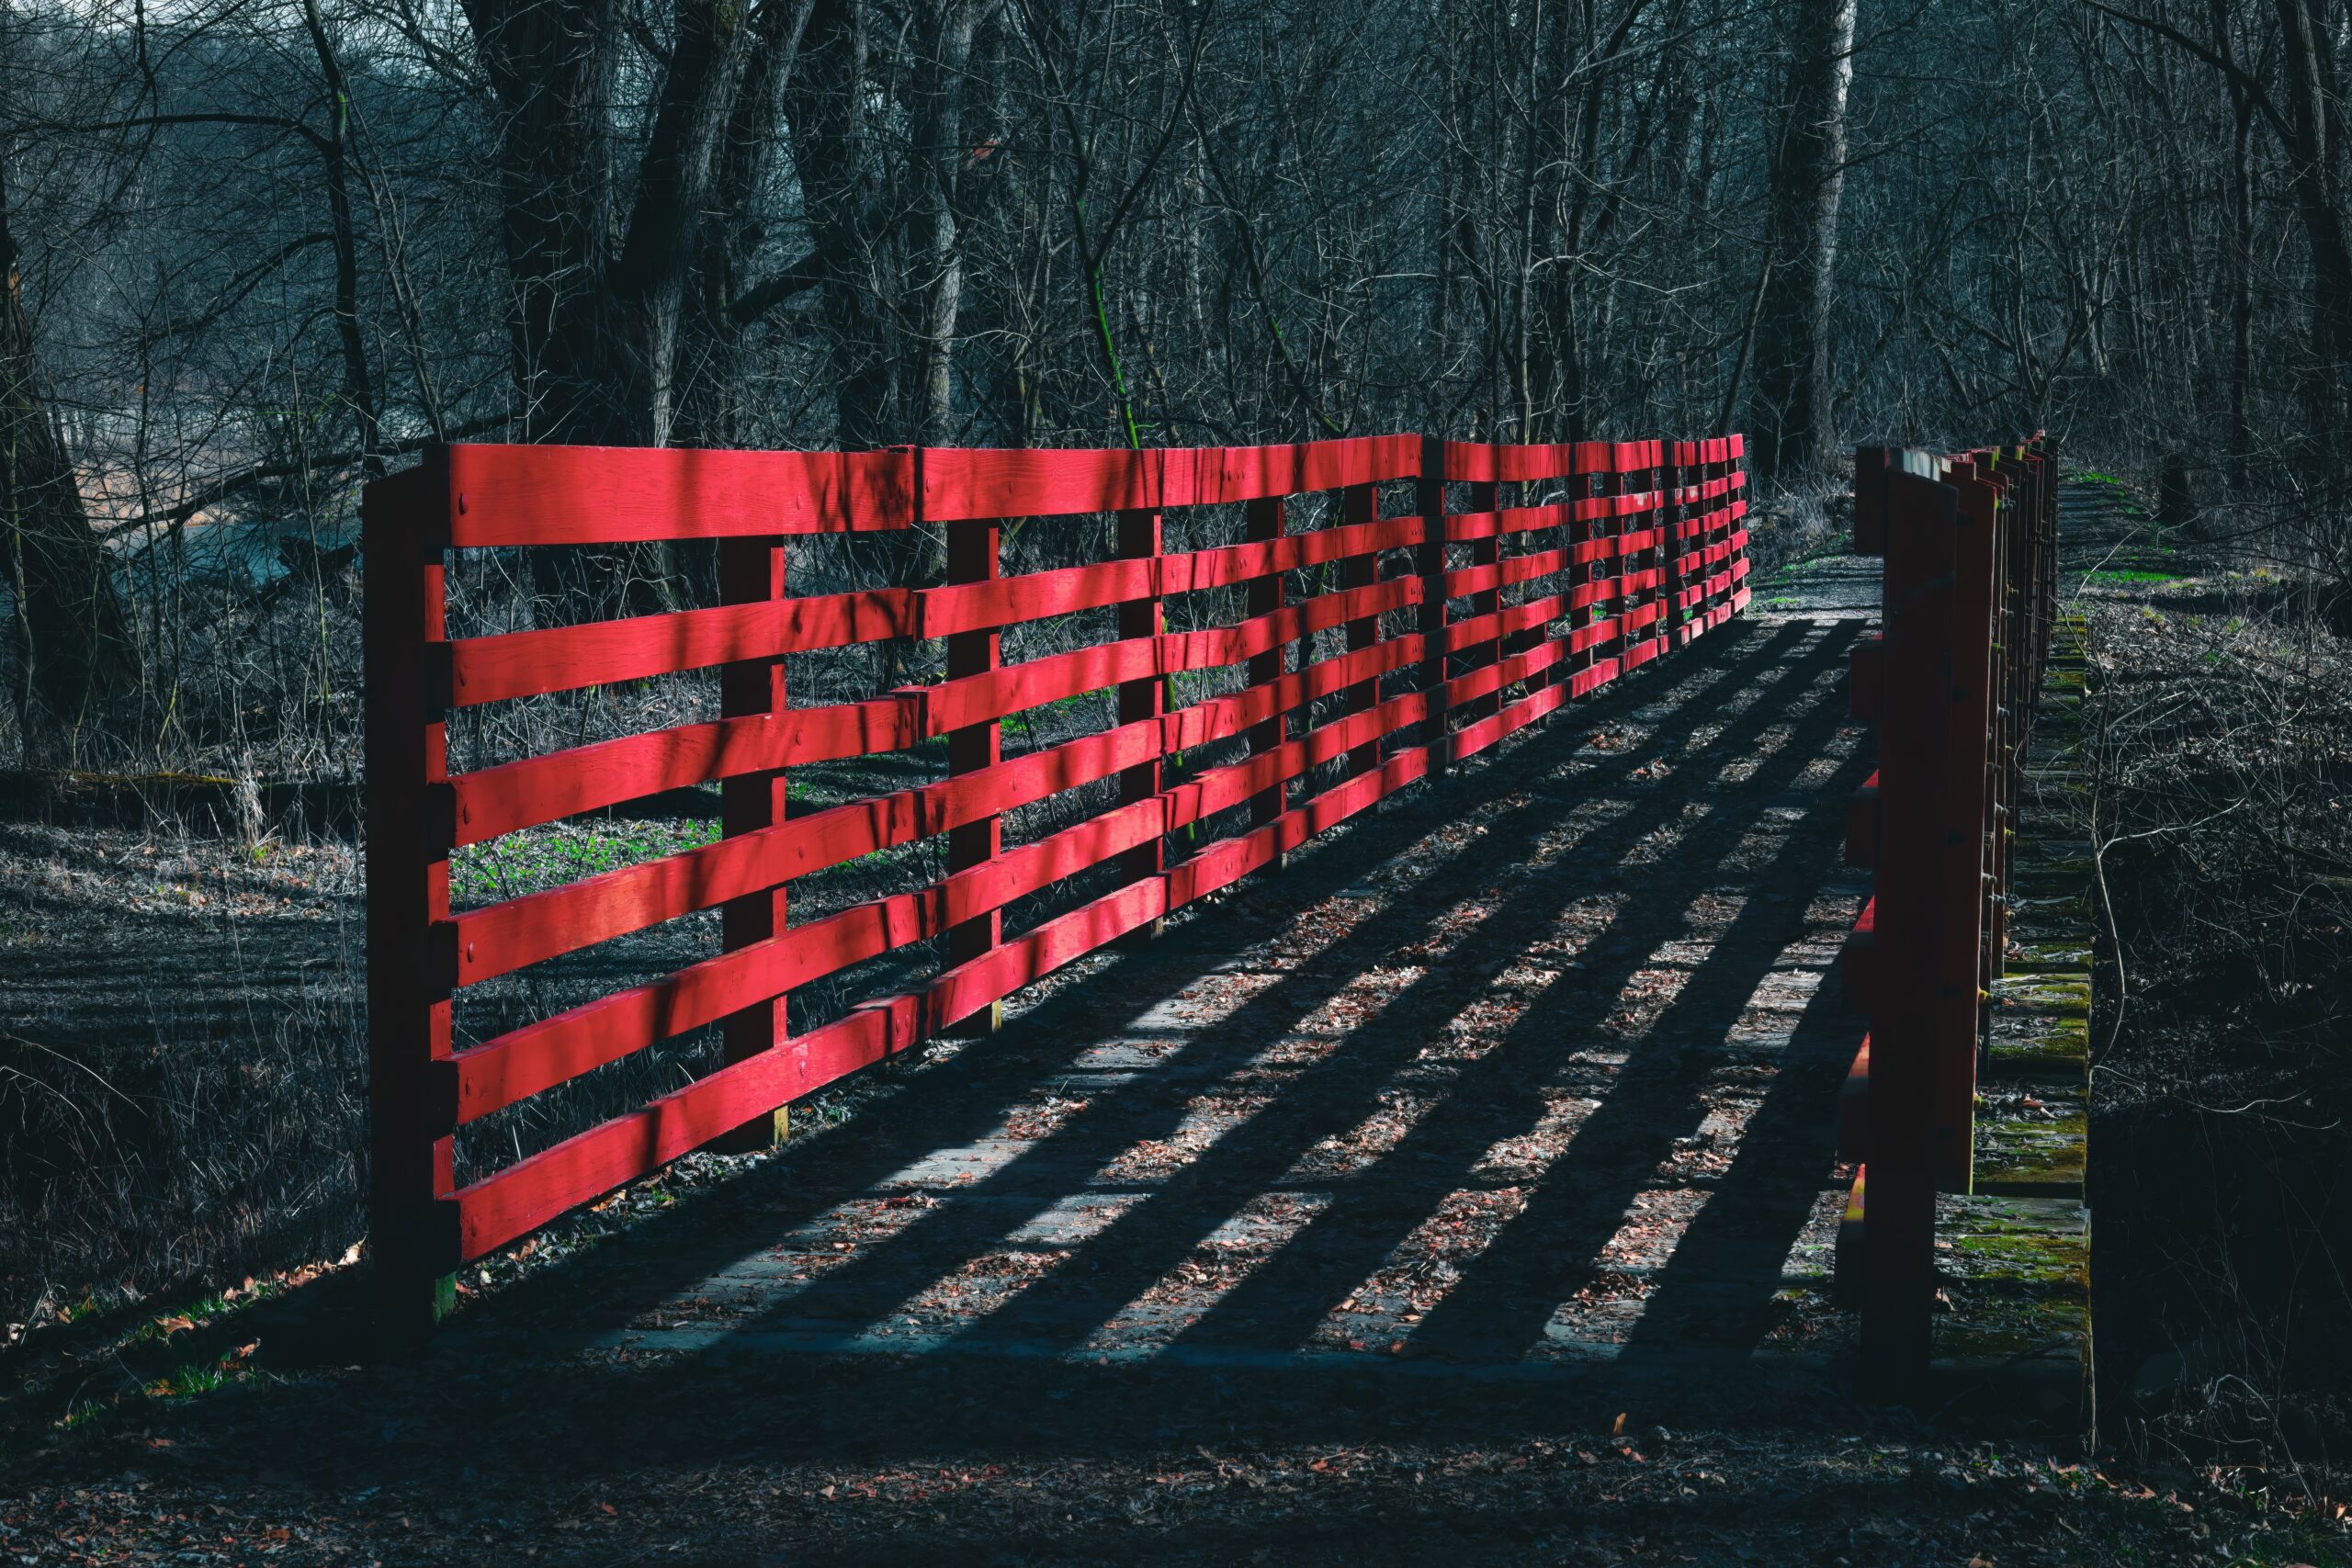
x,y
2222,1131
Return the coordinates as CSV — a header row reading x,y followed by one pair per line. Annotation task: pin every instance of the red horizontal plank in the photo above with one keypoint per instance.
x,y
974,699
505,937
510,1202
1472,738
1600,591
562,659
1002,602
579,495
554,1050
1484,462
1465,526
528,663
1228,859
1494,677
1017,873
963,484
1591,680
1599,632
512,796
1462,634
1504,573
542,1054
1230,564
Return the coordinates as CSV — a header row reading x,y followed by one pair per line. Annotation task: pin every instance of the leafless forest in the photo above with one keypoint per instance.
x,y
259,252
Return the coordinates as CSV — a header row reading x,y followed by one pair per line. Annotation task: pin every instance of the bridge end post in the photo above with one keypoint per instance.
x,y
412,1238
1898,1265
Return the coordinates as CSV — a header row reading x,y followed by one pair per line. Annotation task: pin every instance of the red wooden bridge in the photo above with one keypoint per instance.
x,y
1220,1143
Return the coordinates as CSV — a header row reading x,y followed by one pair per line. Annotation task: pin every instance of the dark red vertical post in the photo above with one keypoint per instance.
x,y
974,550
1262,523
1898,1286
411,961
1967,707
1589,461
1486,497
1682,514
1360,503
750,572
1138,540
1429,498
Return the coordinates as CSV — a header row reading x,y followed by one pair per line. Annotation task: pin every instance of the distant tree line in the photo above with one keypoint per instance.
x,y
258,250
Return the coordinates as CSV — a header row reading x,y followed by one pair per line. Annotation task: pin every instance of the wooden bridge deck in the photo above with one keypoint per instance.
x,y
1536,1069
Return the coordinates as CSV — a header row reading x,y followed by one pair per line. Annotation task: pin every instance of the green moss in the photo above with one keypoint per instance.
x,y
2050,1260
1960,1341
2018,1273
2046,958
2036,1156
2061,996
2057,1048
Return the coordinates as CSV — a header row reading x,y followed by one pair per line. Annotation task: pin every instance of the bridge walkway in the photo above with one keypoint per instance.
x,y
1530,1071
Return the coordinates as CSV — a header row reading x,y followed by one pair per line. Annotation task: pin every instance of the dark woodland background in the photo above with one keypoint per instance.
x,y
260,251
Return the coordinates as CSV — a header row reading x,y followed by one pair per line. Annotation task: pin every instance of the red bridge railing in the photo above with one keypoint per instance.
x,y
1423,638
1970,544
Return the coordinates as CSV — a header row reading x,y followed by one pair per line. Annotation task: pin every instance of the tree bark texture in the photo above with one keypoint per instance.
x,y
1789,412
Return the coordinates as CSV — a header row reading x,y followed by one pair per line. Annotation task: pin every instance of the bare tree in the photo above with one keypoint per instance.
x,y
73,654
1791,409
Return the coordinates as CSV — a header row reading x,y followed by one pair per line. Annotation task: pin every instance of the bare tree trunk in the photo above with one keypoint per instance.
x,y
75,660
831,150
946,57
1791,410
596,326
358,390
2313,125
724,301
